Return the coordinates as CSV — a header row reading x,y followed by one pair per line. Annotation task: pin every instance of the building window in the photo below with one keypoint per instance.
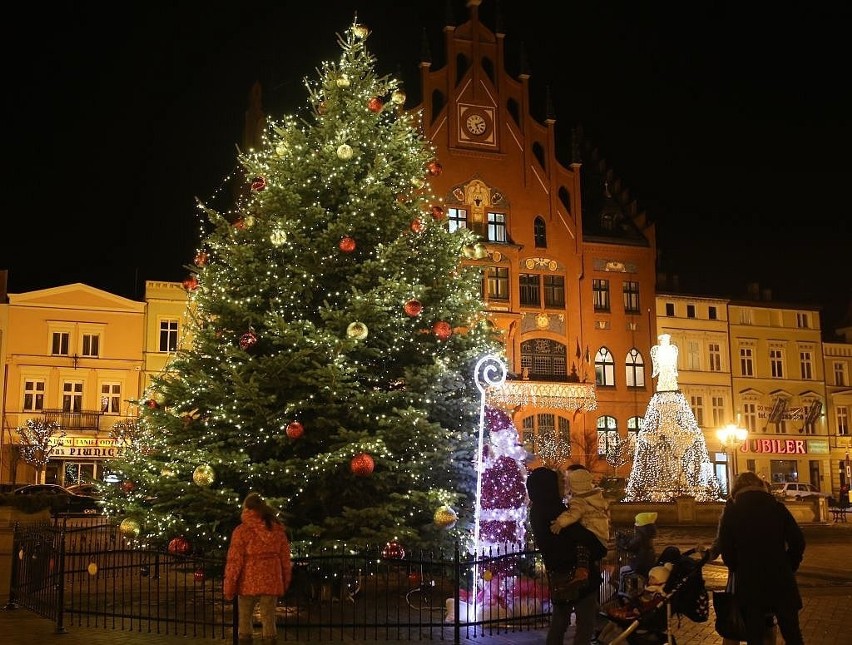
x,y
497,283
806,363
72,396
714,357
634,426
554,291
33,396
604,367
59,343
803,320
540,233
841,416
600,294
542,357
111,398
456,218
690,311
91,345
693,359
547,433
717,407
168,335
634,367
810,415
497,227
528,433
776,362
630,290
670,309
746,361
697,405
530,289
840,377
745,316
607,434
712,313
750,416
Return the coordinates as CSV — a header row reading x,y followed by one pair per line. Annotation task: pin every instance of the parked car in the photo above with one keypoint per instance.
x,y
795,490
72,502
90,489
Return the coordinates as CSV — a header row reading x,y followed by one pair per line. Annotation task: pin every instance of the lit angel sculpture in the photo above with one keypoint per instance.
x,y
664,360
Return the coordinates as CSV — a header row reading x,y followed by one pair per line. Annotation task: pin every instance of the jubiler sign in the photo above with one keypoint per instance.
x,y
84,447
777,446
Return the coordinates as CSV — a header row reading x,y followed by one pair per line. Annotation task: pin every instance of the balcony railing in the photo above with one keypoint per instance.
x,y
82,420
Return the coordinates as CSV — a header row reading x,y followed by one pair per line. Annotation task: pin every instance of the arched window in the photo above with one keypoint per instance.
x,y
604,367
607,434
540,232
541,357
634,367
547,435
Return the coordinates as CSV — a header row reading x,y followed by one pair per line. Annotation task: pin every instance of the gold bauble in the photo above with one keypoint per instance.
x,y
129,527
398,97
445,517
342,81
204,475
344,151
278,237
357,330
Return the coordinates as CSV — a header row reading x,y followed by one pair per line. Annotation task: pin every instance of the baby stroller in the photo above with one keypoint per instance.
x,y
643,613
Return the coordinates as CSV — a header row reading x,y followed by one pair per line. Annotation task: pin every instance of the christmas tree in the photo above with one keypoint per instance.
x,y
670,457
334,335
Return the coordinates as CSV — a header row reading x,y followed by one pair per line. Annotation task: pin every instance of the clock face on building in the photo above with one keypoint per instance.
x,y
476,124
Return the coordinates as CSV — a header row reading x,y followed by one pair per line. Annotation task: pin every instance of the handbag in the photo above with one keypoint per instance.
x,y
729,618
562,586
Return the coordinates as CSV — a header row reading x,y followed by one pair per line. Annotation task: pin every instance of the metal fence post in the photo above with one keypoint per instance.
x,y
60,591
13,578
456,597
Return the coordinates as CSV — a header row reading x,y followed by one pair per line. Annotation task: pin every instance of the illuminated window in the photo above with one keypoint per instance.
x,y
634,367
604,367
497,283
841,417
600,294
714,357
607,434
111,398
750,416
746,361
630,290
497,227
543,357
456,218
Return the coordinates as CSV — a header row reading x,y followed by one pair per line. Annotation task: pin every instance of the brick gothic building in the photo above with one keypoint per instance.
x,y
568,262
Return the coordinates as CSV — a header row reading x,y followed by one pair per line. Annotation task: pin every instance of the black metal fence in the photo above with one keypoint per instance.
x,y
83,572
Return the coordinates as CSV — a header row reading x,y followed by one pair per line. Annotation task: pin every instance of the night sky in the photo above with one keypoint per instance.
x,y
731,126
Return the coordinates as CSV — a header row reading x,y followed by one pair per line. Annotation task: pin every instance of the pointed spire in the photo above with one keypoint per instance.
x,y
549,111
425,52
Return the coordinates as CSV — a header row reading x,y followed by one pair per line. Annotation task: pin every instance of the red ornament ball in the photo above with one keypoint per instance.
x,y
362,465
437,212
201,259
393,551
417,225
240,224
294,430
434,168
179,546
347,244
258,183
414,579
127,486
442,330
151,403
413,307
199,575
375,104
248,340
190,283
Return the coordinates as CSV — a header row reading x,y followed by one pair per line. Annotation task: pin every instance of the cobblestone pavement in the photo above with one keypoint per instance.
x,y
825,580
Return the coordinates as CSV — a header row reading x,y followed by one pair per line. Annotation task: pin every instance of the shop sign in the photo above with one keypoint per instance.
x,y
776,446
818,447
84,447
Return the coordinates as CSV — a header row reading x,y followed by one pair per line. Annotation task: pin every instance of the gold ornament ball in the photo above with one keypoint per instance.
x,y
281,149
361,31
129,527
204,475
342,81
398,97
344,151
277,237
167,471
445,517
357,330
92,569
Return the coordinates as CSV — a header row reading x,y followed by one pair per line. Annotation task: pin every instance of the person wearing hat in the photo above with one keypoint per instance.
x,y
640,546
588,507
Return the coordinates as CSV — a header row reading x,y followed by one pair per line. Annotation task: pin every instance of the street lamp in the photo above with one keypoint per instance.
x,y
732,437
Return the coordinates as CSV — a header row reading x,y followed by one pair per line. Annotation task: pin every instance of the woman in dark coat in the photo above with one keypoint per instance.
x,y
559,553
762,546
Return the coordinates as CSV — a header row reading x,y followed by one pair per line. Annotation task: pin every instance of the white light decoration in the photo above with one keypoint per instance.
x,y
564,396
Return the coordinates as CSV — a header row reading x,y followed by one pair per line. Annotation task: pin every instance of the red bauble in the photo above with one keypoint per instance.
x,y
127,486
248,340
375,104
294,430
413,307
362,465
442,330
434,168
393,551
414,579
417,225
437,212
240,224
347,244
201,258
258,183
179,546
151,403
190,283
199,575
